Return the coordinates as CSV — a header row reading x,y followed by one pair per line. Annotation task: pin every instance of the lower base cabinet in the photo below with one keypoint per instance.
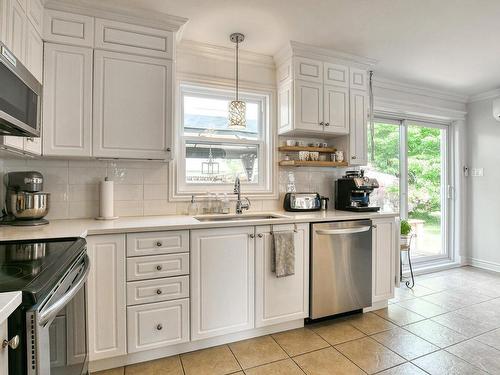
x,y
4,352
279,300
155,325
384,258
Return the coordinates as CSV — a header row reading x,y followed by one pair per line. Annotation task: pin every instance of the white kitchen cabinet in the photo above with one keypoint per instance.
x,y
285,107
383,258
156,266
12,143
67,104
155,243
68,28
4,352
358,127
32,146
34,52
283,299
17,23
107,325
222,281
34,11
335,75
336,109
359,79
308,69
132,106
309,106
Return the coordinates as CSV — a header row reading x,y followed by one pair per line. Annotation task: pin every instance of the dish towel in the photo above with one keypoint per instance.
x,y
283,254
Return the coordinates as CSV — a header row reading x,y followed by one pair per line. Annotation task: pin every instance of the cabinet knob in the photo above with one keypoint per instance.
x,y
374,226
169,149
159,244
252,235
13,343
260,235
158,291
30,139
159,327
322,123
353,157
159,267
327,124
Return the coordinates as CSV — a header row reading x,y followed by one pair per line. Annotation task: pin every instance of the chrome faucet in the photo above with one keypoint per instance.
x,y
240,205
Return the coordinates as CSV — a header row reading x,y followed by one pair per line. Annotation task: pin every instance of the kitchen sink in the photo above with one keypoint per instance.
x,y
243,217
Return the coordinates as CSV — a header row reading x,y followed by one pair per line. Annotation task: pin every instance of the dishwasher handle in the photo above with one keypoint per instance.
x,y
331,232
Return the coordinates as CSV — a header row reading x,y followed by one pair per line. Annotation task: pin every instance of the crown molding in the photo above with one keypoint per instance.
x,y
294,48
407,88
484,96
224,53
140,17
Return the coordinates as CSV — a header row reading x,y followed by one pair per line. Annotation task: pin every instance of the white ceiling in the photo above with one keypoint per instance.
x,y
446,44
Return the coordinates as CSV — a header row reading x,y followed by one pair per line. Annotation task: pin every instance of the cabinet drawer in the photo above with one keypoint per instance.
x,y
68,28
157,290
156,266
154,243
140,40
157,325
308,70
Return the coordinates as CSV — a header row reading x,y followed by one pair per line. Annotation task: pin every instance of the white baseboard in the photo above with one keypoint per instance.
x,y
484,264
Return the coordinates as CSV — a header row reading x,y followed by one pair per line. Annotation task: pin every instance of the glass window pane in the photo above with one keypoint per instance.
x,y
425,172
209,163
385,166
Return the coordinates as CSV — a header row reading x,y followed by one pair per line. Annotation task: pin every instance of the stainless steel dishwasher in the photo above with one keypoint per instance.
x,y
341,267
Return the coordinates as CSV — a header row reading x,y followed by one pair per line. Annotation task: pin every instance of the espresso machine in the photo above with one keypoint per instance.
x,y
25,202
352,192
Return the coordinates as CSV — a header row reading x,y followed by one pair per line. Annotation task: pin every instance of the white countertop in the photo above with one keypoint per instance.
x,y
8,303
84,227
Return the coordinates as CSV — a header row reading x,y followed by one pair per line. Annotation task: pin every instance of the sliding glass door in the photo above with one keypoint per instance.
x,y
410,160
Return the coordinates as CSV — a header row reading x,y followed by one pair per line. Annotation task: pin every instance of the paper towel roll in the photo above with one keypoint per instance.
x,y
106,199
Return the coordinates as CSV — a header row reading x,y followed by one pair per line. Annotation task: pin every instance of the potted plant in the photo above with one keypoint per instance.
x,y
405,233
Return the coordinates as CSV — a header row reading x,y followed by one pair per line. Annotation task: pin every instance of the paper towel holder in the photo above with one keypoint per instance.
x,y
106,179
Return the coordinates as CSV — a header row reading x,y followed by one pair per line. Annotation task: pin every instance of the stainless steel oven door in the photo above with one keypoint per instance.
x,y
57,328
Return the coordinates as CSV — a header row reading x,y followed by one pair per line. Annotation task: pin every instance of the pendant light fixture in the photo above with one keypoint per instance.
x,y
237,107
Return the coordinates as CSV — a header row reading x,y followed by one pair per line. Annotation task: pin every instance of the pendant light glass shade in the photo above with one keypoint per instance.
x,y
237,108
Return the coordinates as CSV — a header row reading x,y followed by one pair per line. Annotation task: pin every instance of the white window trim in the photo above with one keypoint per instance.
x,y
180,191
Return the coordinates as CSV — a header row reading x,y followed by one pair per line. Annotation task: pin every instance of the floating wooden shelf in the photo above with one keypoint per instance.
x,y
313,149
319,163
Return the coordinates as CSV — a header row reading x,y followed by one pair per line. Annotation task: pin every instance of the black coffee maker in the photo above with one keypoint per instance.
x,y
352,192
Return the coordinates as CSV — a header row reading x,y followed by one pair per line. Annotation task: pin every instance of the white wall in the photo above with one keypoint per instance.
x,y
483,140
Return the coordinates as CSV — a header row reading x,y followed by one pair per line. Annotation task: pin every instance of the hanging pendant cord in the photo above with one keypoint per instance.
x,y
237,60
372,125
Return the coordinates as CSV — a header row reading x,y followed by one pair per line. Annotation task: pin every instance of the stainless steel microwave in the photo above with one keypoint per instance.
x,y
20,97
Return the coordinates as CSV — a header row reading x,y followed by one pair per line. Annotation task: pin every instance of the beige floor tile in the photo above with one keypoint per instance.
x,y
423,307
165,366
438,284
485,311
466,326
299,341
369,355
258,351
444,363
326,361
480,355
113,371
399,315
404,369
491,338
446,300
212,361
370,323
435,333
284,367
337,332
404,343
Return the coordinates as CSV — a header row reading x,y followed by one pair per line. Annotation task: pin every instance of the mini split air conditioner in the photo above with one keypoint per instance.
x,y
496,109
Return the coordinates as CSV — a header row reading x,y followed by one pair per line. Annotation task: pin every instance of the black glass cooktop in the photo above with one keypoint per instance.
x,y
35,267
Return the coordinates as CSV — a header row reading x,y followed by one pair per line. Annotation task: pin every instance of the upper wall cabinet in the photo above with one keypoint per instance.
x,y
140,40
68,28
132,106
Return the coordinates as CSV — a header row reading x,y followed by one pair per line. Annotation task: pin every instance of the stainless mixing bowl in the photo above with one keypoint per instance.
x,y
28,206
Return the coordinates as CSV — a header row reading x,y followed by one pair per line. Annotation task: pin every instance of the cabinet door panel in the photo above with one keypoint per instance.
x,y
16,29
67,104
107,297
308,70
336,109
285,102
283,299
132,106
308,106
35,14
358,125
359,79
34,52
336,75
384,248
222,281
69,28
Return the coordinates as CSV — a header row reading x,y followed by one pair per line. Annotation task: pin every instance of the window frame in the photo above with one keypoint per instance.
x,y
180,190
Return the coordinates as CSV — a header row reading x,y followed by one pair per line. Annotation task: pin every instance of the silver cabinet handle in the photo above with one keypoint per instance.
x,y
260,235
158,291
159,267
159,244
169,149
159,327
13,343
353,157
251,235
329,232
322,123
327,124
374,226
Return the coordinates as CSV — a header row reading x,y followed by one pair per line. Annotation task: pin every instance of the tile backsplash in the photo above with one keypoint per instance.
x,y
141,188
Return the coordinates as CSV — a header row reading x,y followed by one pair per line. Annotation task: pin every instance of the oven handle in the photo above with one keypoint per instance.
x,y
328,232
51,312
